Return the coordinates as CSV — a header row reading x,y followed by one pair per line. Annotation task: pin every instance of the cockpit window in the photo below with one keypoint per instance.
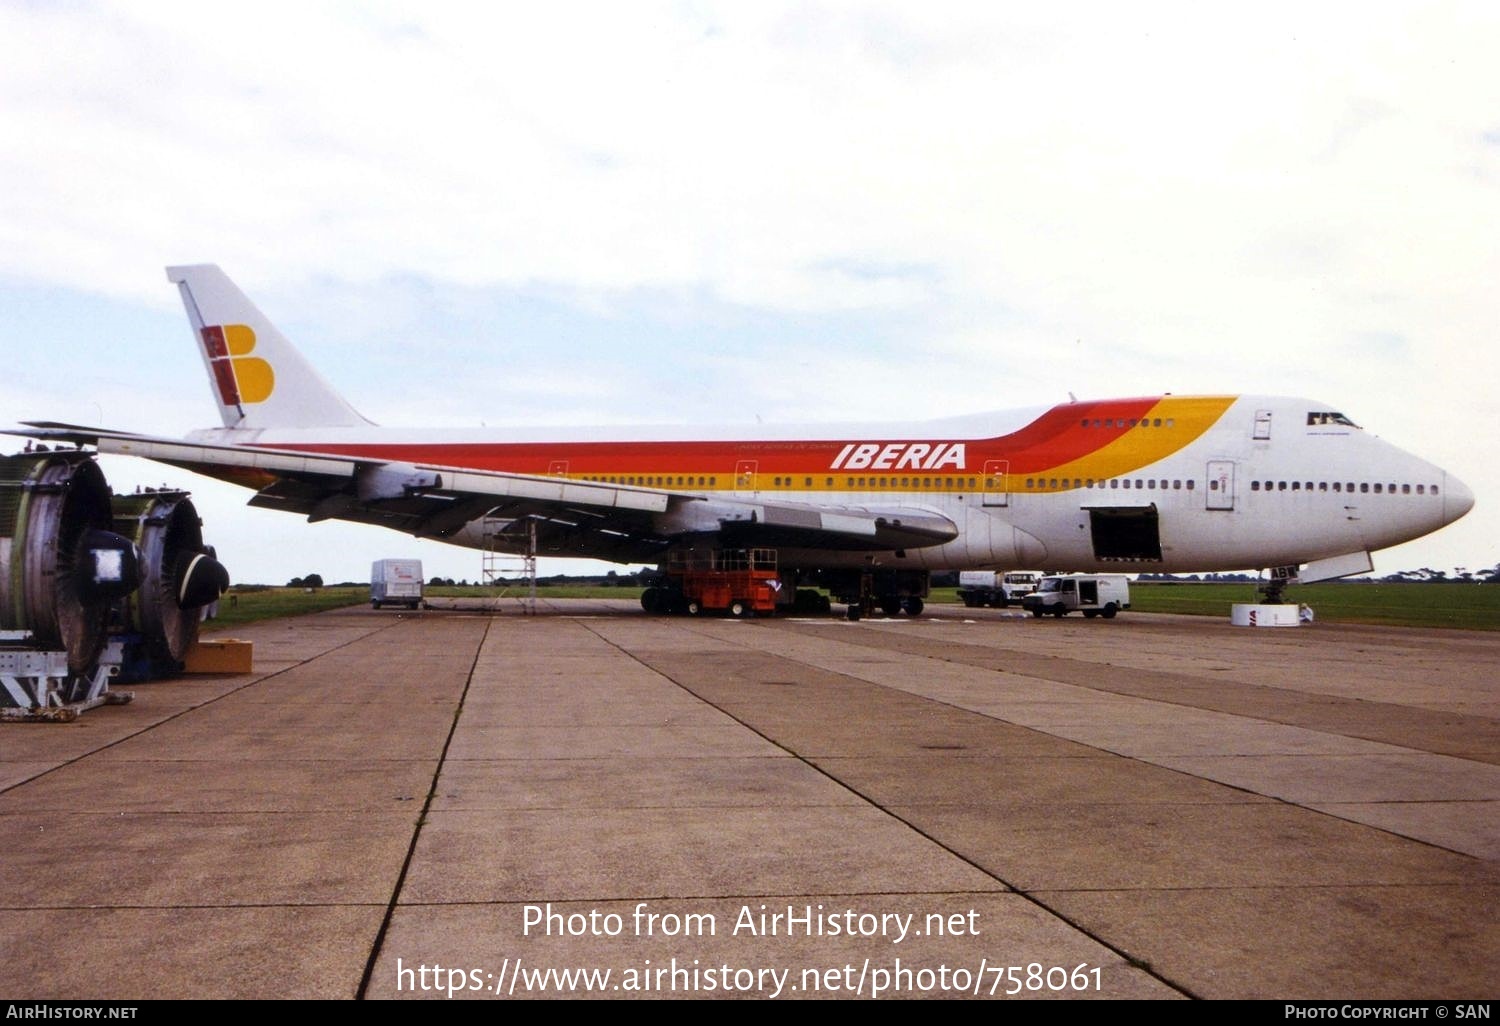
x,y
1318,418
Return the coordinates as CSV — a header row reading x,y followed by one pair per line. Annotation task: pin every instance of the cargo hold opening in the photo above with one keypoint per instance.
x,y
1126,532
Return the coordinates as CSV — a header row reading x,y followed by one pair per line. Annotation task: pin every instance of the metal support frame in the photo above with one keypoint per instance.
x,y
35,684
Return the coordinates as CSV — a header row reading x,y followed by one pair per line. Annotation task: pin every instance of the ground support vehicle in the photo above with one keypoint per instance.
x,y
1091,594
396,582
995,588
740,582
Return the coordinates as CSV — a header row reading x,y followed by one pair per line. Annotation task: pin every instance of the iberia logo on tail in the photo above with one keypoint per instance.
x,y
240,377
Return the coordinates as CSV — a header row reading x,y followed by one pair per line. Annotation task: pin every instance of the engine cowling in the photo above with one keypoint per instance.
x,y
62,565
179,574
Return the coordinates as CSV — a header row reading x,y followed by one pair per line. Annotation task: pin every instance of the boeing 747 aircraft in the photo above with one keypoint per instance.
x,y
1158,483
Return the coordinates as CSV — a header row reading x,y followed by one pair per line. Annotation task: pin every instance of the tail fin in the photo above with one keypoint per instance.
x,y
258,379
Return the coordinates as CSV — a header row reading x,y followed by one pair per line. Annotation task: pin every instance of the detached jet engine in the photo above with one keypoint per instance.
x,y
179,577
61,566
77,564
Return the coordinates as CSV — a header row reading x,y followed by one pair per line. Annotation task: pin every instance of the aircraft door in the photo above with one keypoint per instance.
x,y
1262,425
1220,484
745,478
996,482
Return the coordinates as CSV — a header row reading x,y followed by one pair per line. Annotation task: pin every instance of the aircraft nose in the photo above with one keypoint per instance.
x,y
1457,499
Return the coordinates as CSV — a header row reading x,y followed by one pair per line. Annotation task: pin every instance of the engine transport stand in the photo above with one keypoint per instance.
x,y
35,685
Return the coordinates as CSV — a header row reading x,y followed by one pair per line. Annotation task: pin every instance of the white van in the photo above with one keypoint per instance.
x,y
396,582
1093,594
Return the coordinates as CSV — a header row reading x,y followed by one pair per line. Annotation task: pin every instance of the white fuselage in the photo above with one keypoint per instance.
x,y
1178,485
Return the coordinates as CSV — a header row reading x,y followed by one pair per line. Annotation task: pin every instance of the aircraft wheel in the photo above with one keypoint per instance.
x,y
913,606
1110,611
890,606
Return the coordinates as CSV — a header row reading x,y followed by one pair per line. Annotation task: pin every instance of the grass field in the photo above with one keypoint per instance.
x,y
1466,606
240,607
1469,606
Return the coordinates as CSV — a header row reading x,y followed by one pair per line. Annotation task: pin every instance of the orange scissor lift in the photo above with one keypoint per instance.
x,y
742,582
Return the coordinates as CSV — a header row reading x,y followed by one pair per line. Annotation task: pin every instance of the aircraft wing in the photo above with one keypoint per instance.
x,y
571,517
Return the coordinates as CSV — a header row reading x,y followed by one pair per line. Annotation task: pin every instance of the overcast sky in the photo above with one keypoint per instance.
x,y
698,212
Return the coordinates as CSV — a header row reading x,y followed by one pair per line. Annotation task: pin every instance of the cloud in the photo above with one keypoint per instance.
x,y
606,212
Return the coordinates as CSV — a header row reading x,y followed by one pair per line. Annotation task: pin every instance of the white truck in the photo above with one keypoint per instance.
x,y
994,588
1092,594
396,582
